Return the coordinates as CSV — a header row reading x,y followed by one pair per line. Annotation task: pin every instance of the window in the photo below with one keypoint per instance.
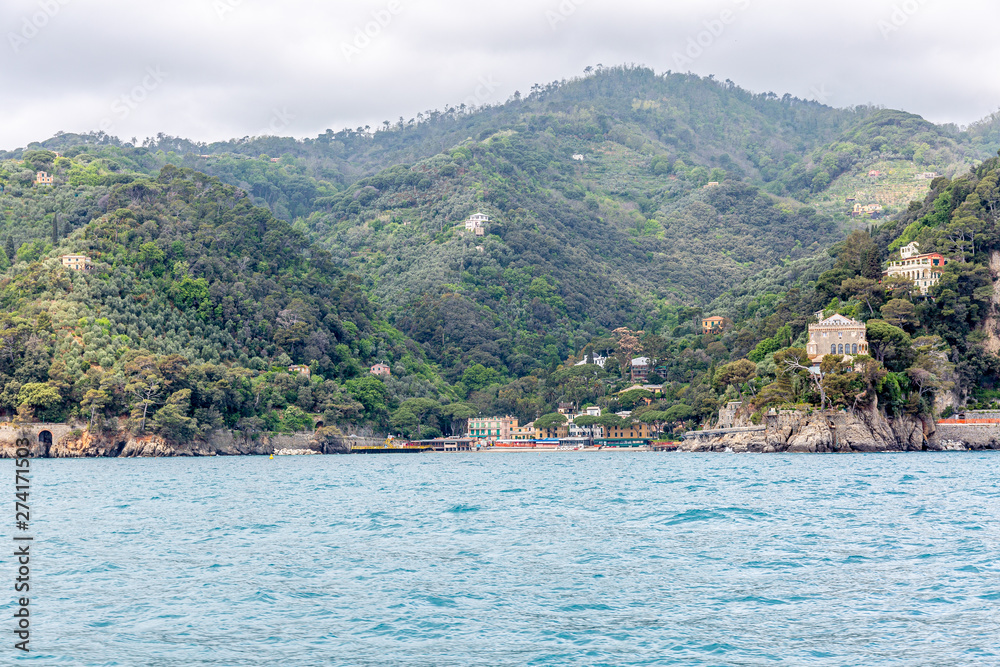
x,y
854,348
840,349
833,348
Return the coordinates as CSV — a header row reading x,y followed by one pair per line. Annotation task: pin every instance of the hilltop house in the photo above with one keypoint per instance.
x,y
714,324
923,269
77,262
641,368
836,335
42,178
477,222
866,211
592,359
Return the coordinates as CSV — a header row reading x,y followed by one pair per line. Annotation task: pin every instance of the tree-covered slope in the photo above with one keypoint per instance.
x,y
197,303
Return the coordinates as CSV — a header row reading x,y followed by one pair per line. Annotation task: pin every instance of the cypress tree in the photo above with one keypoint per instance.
x,y
55,229
9,249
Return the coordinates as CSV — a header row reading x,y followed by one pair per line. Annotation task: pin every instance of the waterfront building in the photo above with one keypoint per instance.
x,y
495,428
556,432
636,431
727,414
836,335
923,269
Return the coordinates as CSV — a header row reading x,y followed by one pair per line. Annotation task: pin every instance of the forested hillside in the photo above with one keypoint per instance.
x,y
623,206
197,304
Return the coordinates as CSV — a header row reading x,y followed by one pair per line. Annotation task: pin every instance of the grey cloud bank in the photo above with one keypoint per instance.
x,y
227,65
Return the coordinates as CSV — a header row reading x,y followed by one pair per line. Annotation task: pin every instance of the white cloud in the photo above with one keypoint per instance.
x,y
231,63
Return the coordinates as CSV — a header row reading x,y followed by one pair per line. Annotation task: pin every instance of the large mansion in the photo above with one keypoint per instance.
x,y
923,269
836,335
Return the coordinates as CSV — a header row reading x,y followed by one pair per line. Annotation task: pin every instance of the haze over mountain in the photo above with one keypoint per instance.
x,y
231,68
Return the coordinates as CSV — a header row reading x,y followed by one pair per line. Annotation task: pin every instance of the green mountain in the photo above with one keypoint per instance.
x,y
620,199
196,305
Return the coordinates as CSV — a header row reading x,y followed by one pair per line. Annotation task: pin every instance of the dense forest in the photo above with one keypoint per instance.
x,y
623,205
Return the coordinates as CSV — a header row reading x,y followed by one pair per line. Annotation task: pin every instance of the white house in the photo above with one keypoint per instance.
x,y
592,359
476,221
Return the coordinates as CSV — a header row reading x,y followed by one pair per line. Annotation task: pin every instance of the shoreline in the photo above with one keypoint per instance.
x,y
827,432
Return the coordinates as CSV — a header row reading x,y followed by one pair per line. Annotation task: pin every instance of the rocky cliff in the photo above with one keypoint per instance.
x,y
82,444
827,431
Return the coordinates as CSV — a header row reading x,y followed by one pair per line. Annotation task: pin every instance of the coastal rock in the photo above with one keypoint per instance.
x,y
80,443
817,432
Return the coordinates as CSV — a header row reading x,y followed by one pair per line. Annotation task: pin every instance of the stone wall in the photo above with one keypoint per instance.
x,y
968,436
10,433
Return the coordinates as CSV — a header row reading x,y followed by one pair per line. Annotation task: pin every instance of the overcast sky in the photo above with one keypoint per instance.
x,y
217,69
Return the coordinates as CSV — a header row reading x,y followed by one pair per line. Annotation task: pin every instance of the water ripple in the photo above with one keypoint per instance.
x,y
521,559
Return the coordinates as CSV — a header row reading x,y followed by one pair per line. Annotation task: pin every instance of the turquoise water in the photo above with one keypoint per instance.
x,y
514,559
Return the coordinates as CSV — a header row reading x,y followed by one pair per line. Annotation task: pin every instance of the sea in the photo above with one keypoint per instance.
x,y
555,558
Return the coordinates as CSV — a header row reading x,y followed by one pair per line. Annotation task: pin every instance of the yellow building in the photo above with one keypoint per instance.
x,y
713,325
76,262
43,178
631,432
561,431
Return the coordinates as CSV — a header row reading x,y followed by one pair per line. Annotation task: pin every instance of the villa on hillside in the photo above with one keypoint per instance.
x,y
714,324
477,223
76,262
300,369
923,269
43,178
592,358
640,369
836,335
867,211
381,369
